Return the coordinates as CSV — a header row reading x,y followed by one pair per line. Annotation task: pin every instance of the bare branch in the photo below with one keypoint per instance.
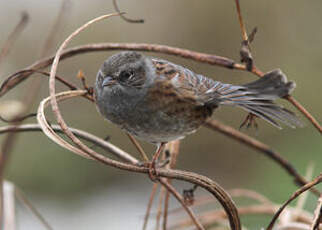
x,y
181,200
173,149
255,144
23,199
138,147
14,35
79,133
126,18
148,210
317,215
294,195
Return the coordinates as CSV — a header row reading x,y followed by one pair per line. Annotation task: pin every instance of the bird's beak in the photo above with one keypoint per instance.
x,y
108,81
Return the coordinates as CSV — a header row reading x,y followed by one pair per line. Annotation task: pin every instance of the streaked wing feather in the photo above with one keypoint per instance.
x,y
188,85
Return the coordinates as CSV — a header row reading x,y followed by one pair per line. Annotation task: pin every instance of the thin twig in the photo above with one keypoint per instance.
x,y
79,133
171,189
234,193
159,210
294,195
7,143
67,53
212,217
124,17
55,30
162,194
304,112
148,210
255,144
317,215
28,99
241,22
138,147
173,148
14,35
302,199
23,199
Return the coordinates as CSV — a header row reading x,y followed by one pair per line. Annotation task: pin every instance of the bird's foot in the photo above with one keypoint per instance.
x,y
153,166
250,121
153,175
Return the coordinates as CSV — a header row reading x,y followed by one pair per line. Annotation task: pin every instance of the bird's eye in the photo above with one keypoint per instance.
x,y
125,75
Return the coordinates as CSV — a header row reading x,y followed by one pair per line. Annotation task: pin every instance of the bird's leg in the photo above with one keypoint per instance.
x,y
249,122
166,161
152,165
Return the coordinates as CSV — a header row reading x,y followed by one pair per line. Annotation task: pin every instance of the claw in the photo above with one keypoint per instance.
x,y
250,121
152,165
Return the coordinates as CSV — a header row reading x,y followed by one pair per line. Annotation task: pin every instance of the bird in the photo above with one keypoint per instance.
x,y
158,101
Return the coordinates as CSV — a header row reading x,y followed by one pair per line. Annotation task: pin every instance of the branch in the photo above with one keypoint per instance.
x,y
318,215
125,18
14,35
255,144
212,217
148,210
170,188
294,195
67,53
79,133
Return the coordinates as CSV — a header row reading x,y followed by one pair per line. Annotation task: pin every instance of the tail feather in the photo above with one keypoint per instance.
x,y
257,97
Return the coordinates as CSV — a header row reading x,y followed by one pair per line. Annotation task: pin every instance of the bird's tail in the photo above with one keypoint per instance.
x,y
257,97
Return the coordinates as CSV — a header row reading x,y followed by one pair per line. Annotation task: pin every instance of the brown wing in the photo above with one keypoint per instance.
x,y
188,86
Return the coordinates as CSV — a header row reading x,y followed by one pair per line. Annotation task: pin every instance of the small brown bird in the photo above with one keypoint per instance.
x,y
158,101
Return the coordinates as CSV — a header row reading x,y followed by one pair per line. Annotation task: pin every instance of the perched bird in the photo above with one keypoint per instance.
x,y
158,101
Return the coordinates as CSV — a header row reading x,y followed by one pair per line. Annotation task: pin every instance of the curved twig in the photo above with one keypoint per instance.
x,y
294,195
194,178
126,18
148,209
14,35
116,151
211,217
253,143
196,56
170,188
317,220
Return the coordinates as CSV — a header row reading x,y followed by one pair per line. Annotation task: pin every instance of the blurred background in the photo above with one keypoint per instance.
x,y
75,193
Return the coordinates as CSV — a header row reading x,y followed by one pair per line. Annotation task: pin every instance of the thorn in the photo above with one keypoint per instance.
x,y
81,76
